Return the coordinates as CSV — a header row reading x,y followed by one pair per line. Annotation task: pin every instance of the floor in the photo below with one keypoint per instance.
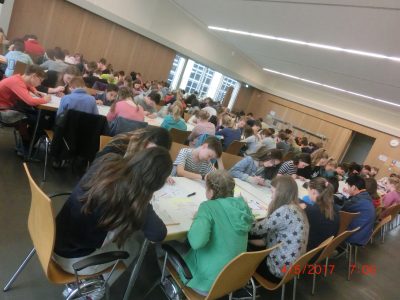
x,y
32,284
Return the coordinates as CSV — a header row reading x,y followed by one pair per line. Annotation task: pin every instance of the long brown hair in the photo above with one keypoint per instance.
x,y
120,189
263,154
372,187
325,197
124,94
286,192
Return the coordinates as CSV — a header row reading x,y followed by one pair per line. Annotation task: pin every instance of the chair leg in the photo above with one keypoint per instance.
x,y
313,284
294,288
326,266
230,296
47,142
382,235
254,288
283,292
349,267
21,267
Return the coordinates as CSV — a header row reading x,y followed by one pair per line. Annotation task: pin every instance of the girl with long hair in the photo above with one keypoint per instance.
x,y
174,118
125,107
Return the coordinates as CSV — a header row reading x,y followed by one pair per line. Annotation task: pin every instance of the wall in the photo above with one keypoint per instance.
x,y
60,23
337,130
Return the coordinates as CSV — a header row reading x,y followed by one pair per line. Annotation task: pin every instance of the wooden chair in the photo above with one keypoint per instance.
x,y
393,211
179,136
42,229
379,228
299,264
104,140
175,148
20,68
234,147
229,160
328,251
345,219
235,275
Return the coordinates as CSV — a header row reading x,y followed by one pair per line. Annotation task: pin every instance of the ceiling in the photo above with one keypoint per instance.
x,y
364,25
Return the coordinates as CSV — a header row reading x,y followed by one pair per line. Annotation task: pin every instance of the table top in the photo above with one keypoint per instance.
x,y
103,110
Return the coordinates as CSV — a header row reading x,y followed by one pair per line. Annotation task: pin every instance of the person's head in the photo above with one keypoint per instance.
x,y
77,83
59,54
19,45
153,98
227,121
34,75
354,168
282,136
242,122
203,116
341,169
219,184
284,192
121,188
331,165
91,67
265,133
102,64
137,84
304,141
247,131
176,110
393,184
120,75
250,115
372,187
69,73
256,126
319,157
267,158
366,170
30,37
321,191
374,171
302,160
355,184
111,92
210,149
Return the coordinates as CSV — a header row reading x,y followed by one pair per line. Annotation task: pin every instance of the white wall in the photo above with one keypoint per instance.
x,y
166,23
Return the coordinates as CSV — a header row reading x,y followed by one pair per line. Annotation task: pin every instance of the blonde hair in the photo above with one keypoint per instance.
x,y
221,183
317,155
203,115
227,121
176,110
396,183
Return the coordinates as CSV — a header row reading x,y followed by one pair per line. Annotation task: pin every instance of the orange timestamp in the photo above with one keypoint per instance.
x,y
363,269
309,269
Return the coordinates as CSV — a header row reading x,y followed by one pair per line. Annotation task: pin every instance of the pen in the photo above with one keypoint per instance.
x,y
192,194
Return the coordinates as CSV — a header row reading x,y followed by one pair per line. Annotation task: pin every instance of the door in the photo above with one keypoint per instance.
x,y
358,149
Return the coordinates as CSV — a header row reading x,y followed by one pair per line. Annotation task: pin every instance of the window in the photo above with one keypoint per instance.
x,y
176,70
224,85
199,80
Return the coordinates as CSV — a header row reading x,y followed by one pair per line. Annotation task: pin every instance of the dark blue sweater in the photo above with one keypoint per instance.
x,y
362,203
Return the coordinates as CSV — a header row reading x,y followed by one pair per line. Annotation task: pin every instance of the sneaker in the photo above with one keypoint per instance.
x,y
243,294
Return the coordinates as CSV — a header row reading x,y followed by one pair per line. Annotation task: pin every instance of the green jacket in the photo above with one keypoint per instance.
x,y
217,235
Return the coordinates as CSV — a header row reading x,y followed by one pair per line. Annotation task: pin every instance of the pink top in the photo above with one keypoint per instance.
x,y
201,128
391,198
126,110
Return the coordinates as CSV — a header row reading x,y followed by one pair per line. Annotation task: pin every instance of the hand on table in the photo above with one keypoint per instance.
x,y
170,180
99,102
59,89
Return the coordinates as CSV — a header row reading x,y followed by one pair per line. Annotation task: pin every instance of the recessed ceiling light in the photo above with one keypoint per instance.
x,y
332,87
315,45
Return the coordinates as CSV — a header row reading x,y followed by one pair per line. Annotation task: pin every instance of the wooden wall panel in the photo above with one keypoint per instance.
x,y
60,23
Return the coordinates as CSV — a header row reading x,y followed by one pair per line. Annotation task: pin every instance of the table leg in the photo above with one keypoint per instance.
x,y
136,269
34,135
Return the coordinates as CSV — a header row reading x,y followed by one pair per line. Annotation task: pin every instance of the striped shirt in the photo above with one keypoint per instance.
x,y
185,159
287,168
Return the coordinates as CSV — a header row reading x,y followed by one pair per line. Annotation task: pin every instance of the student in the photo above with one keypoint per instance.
x,y
61,83
218,232
290,167
372,188
341,171
253,141
108,97
149,103
78,99
393,192
196,163
359,201
58,64
102,66
282,142
32,46
228,133
285,223
365,171
202,127
252,166
109,205
137,88
16,55
329,170
323,217
267,139
174,119
125,107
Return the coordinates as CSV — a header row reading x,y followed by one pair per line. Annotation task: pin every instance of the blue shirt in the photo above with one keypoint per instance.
x,y
78,100
229,135
12,58
244,169
169,122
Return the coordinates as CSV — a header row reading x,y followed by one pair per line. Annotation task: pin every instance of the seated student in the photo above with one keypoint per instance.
x,y
218,232
202,127
108,97
267,139
58,64
125,107
89,74
323,217
149,103
365,171
372,188
250,168
392,195
137,88
228,133
33,47
61,86
282,142
78,99
290,167
174,119
329,170
16,55
253,141
196,163
359,201
285,223
109,205
341,171
102,66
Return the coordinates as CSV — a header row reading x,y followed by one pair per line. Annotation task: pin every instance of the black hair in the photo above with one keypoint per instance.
x,y
357,181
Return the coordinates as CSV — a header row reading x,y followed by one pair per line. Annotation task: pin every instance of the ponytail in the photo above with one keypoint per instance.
x,y
325,197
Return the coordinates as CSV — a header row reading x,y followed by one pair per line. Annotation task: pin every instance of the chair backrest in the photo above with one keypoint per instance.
x,y
122,125
20,68
303,260
179,136
380,224
230,160
104,140
234,147
327,252
175,148
394,211
41,223
345,219
237,272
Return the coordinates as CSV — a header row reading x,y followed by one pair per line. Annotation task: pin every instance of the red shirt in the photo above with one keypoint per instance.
x,y
13,89
33,47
